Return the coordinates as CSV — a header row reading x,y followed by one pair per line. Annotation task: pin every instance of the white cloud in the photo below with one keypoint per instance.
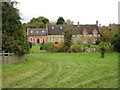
x,y
84,11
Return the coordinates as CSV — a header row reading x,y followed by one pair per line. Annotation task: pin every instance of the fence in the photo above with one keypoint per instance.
x,y
7,58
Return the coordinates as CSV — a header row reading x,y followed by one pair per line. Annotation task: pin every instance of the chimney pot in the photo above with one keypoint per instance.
x,y
97,23
78,24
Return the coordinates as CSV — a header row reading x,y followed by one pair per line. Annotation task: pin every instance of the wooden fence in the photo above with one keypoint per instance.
x,y
7,58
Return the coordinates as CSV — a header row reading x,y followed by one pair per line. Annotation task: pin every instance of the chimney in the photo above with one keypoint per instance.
x,y
78,24
97,23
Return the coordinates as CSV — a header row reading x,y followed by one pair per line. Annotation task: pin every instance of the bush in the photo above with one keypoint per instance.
x,y
76,48
56,42
107,45
57,47
30,44
46,46
97,42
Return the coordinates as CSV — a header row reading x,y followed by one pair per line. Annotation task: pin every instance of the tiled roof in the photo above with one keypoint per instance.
x,y
37,32
57,30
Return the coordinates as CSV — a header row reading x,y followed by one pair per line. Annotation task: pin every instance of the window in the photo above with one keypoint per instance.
x,y
85,34
84,40
37,31
30,39
60,27
52,40
31,31
52,27
94,34
52,35
94,40
61,40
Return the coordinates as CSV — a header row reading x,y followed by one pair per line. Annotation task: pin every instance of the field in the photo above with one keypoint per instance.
x,y
63,70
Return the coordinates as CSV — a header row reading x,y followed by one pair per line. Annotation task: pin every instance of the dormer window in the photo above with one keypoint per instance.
x,y
43,31
52,27
61,27
31,31
94,34
37,31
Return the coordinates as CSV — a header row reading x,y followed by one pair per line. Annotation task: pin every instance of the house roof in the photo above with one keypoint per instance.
x,y
59,29
37,32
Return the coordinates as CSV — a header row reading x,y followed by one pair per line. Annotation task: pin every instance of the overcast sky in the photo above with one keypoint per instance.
x,y
84,11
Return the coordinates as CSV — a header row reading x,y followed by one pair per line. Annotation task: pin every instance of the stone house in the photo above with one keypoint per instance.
x,y
54,33
84,33
37,35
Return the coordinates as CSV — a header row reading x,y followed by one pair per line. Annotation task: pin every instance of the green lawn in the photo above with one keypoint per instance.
x,y
35,48
63,70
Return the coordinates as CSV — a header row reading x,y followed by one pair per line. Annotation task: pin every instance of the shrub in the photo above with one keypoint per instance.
x,y
76,48
107,45
56,42
30,44
47,46
57,47
97,42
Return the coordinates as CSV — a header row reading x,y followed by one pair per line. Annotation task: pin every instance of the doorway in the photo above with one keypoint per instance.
x,y
38,41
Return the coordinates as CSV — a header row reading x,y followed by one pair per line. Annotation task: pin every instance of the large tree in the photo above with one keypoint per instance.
x,y
60,20
13,39
68,38
69,22
39,22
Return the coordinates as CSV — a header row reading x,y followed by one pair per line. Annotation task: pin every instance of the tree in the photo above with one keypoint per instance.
x,y
60,20
13,39
68,38
69,22
39,22
116,42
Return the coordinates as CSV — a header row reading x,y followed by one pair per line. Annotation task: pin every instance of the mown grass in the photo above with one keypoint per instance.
x,y
63,70
35,48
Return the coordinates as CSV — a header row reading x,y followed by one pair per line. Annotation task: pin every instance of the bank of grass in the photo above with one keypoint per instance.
x,y
63,70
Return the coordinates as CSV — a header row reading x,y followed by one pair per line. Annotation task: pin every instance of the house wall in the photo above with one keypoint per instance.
x,y
55,38
75,38
34,39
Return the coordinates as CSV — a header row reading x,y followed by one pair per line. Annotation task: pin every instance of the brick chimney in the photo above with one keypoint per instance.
x,y
78,23
97,23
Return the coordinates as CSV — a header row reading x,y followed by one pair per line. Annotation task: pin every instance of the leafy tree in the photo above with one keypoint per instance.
x,y
69,22
107,33
68,38
116,42
13,39
60,20
39,22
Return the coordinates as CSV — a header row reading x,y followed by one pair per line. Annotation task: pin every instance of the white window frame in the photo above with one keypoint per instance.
x,y
52,27
85,34
31,39
94,34
61,27
37,31
31,31
43,31
52,40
